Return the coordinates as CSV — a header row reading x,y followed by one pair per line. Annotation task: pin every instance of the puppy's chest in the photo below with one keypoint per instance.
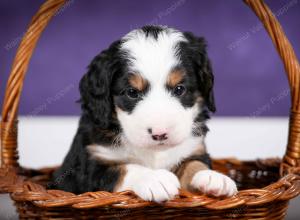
x,y
169,158
154,159
159,160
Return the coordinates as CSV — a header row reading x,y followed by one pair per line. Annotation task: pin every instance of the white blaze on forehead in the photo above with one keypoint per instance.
x,y
150,57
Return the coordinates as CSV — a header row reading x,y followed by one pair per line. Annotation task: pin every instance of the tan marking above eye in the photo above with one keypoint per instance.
x,y
138,82
174,78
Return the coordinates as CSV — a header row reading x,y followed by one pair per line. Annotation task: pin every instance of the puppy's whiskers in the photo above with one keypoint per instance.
x,y
117,141
197,129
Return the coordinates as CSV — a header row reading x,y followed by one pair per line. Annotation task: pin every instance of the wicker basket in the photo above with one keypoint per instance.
x,y
265,186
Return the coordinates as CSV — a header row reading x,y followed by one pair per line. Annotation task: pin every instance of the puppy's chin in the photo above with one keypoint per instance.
x,y
160,146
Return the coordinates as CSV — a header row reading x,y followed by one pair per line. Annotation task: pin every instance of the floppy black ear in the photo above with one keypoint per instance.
x,y
95,88
203,69
207,82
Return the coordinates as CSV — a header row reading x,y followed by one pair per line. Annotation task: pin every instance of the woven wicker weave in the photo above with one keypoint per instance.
x,y
265,186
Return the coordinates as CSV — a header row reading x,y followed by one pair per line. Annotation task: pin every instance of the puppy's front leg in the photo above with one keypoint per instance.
x,y
151,185
196,176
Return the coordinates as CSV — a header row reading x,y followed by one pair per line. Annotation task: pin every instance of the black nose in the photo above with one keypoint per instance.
x,y
160,137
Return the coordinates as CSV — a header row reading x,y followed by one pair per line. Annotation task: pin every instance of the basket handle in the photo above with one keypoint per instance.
x,y
9,154
8,147
291,160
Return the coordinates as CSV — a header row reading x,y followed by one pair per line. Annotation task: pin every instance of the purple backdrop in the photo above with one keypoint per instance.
x,y
249,75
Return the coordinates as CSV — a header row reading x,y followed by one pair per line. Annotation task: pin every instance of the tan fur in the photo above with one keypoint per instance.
x,y
186,172
200,150
188,168
174,78
138,82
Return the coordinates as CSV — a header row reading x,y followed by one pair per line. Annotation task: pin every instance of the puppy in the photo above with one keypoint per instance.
x,y
144,104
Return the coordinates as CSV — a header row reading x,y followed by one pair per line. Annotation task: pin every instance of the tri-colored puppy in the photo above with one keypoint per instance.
x,y
144,103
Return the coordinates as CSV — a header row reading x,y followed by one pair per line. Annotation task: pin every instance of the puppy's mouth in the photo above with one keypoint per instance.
x,y
162,145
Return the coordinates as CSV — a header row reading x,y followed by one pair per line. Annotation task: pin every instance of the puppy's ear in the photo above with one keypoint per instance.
x,y
207,82
197,53
95,88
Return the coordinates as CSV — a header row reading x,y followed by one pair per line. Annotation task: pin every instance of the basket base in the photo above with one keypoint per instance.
x,y
272,211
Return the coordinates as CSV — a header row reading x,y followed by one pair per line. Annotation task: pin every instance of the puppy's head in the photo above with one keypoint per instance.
x,y
155,82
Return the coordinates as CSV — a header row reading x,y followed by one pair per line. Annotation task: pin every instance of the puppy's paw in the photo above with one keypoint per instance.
x,y
213,183
151,185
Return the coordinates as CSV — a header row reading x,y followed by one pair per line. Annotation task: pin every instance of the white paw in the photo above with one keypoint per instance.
x,y
213,183
151,185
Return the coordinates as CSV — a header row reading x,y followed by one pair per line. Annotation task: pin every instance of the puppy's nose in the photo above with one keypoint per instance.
x,y
158,134
160,137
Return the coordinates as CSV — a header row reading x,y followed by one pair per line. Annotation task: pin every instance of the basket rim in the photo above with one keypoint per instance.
x,y
23,190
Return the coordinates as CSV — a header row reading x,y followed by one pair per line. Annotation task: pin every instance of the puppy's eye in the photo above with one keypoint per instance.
x,y
132,93
179,90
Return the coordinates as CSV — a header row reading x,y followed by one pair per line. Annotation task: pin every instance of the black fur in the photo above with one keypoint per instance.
x,y
121,99
95,86
97,120
194,58
79,173
188,99
204,158
102,88
151,30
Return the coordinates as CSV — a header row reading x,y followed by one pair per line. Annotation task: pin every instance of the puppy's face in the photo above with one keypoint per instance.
x,y
158,110
160,82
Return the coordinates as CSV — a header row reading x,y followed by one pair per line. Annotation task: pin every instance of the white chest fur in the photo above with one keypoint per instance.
x,y
152,158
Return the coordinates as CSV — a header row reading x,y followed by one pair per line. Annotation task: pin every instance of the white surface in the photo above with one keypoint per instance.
x,y
44,141
247,138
